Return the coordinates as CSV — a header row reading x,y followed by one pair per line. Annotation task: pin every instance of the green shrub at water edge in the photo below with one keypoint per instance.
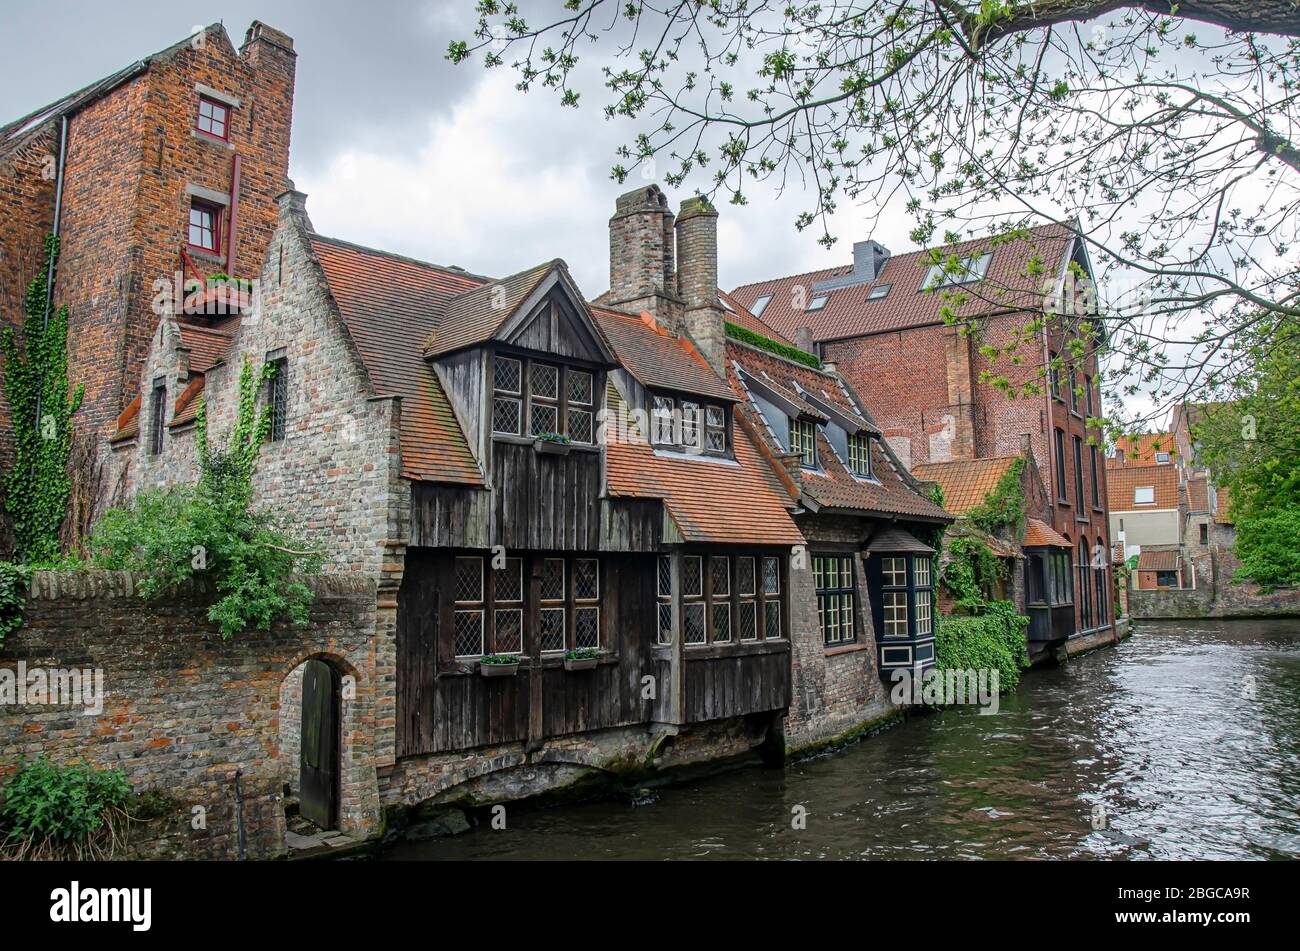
x,y
992,640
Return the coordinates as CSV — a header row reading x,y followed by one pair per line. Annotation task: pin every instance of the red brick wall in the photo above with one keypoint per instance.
x,y
131,158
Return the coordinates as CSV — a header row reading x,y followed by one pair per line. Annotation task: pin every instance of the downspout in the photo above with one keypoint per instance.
x,y
233,237
49,273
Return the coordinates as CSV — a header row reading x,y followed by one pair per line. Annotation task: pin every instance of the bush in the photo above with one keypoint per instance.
x,y
1268,544
993,640
54,810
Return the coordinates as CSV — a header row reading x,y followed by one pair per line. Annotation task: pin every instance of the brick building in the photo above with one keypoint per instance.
x,y
893,326
168,167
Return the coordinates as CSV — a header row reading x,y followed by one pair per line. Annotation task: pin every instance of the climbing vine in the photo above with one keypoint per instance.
x,y
212,530
971,569
1003,509
40,411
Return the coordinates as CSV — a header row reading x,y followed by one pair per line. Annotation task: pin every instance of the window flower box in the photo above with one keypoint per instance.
x,y
498,665
582,658
552,444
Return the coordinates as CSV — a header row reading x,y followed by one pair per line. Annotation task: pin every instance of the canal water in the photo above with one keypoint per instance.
x,y
1181,743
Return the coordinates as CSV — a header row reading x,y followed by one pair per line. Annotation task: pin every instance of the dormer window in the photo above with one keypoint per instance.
x,y
535,398
688,425
860,456
803,441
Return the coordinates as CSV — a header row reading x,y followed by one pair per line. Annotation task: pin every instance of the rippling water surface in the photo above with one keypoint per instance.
x,y
1187,736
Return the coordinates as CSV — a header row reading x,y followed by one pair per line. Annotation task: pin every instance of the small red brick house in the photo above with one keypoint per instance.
x,y
886,323
163,172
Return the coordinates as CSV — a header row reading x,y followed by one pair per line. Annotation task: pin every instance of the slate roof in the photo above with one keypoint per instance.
x,y
966,483
891,493
1121,483
657,360
848,312
894,539
716,501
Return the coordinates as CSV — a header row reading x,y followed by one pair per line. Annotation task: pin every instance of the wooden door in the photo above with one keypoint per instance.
x,y
319,757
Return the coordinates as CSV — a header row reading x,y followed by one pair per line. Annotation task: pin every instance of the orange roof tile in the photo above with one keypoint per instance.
x,y
187,404
391,305
1141,450
1038,534
738,314
208,342
966,483
1149,560
1223,507
709,500
848,311
474,316
657,360
1122,484
1198,494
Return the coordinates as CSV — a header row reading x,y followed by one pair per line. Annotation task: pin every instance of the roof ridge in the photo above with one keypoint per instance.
x,y
393,255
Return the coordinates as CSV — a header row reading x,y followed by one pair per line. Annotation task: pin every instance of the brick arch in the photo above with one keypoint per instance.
x,y
358,808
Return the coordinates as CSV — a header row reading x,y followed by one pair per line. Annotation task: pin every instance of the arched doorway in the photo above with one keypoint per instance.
x,y
318,754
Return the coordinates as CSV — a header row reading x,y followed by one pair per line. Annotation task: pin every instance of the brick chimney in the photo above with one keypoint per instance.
x,y
697,279
641,254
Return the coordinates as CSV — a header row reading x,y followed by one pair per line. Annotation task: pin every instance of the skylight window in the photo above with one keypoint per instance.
x,y
760,305
1144,495
969,271
818,302
879,292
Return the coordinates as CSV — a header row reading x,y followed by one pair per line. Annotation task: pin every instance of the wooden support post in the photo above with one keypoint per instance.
x,y
677,699
533,647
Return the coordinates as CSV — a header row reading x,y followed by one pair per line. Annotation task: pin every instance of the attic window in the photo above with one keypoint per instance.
x,y
818,302
879,292
860,455
1162,457
1144,495
803,441
969,270
214,118
689,426
760,305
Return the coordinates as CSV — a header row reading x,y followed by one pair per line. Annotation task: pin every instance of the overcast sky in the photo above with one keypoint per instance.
x,y
399,149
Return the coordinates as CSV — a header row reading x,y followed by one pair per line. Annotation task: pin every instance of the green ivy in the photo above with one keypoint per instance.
x,y
744,335
991,640
1003,509
211,529
13,591
971,569
36,381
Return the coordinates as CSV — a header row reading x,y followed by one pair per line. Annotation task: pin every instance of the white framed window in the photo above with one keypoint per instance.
x,y
968,270
1162,457
894,572
860,456
1144,495
760,305
803,441
818,302
879,291
663,429
715,426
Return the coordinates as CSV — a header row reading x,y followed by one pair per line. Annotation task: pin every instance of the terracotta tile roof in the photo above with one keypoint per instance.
x,y
657,360
208,342
1198,494
1038,534
187,404
390,305
966,483
848,312
738,314
128,423
1122,483
474,316
833,486
1149,560
1141,450
709,501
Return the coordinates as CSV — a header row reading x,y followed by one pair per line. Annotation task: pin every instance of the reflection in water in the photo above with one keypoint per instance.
x,y
1185,740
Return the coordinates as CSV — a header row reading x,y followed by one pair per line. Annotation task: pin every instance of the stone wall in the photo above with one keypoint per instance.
x,y
184,712
1229,601
836,691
